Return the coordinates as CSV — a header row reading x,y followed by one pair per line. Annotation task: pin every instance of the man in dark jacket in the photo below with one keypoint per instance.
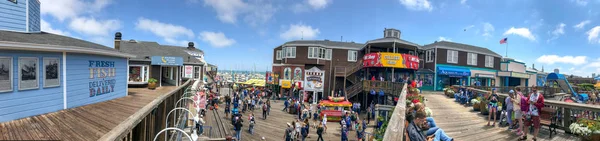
x,y
415,133
237,127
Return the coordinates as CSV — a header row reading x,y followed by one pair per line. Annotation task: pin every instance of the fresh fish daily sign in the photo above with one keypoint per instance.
x,y
102,77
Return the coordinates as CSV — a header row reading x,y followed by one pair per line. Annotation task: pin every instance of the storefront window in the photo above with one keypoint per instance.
x,y
138,73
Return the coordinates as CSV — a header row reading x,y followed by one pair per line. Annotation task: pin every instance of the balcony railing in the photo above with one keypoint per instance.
x,y
348,70
394,88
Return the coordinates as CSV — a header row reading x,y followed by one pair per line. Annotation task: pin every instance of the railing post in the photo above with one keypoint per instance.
x,y
567,119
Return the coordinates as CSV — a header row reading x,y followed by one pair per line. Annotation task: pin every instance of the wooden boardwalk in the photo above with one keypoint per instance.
x,y
464,124
89,122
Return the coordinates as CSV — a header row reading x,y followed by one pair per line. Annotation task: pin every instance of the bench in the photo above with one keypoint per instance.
x,y
548,118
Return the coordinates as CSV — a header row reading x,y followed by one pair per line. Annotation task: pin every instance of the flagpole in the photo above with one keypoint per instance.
x,y
506,51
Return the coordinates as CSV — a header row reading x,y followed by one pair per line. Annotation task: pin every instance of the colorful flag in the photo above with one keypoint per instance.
x,y
503,40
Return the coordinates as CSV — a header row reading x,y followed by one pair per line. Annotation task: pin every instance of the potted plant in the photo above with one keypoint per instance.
x,y
476,103
588,130
152,83
380,121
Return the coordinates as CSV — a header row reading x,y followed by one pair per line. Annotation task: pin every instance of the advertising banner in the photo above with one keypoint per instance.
x,y
286,84
391,60
519,75
188,71
269,77
167,61
314,79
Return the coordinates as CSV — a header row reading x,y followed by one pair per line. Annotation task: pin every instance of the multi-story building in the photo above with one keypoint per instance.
x,y
309,65
456,64
20,15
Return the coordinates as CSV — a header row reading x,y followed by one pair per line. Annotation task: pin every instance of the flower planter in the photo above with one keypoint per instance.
x,y
593,137
476,107
151,86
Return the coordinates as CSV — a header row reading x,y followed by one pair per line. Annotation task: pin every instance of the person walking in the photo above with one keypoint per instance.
x,y
344,133
288,132
304,132
251,124
369,111
324,122
286,104
227,110
268,106
238,127
320,132
536,103
199,122
264,111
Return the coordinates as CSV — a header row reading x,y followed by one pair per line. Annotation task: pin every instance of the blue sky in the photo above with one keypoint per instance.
x,y
240,33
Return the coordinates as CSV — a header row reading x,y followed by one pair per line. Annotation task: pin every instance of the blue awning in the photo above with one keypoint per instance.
x,y
453,71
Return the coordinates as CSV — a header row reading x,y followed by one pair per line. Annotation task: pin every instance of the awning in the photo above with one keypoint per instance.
x,y
453,71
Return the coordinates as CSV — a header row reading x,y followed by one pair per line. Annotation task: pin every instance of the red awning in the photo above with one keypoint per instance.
x,y
328,103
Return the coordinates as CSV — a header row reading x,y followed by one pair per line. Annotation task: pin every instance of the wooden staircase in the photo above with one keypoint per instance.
x,y
345,71
353,90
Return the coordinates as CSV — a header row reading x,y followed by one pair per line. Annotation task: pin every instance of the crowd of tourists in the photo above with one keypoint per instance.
x,y
524,107
421,126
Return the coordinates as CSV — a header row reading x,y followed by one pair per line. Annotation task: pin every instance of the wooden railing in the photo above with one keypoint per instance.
x,y
395,128
567,113
353,90
149,120
547,91
348,70
394,88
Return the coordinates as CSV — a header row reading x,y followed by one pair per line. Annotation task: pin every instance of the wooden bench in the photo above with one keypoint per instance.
x,y
548,118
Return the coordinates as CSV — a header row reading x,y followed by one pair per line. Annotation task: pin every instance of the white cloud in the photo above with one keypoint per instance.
x,y
488,28
469,27
47,27
580,2
91,26
298,31
227,10
582,24
256,11
523,32
65,9
417,5
551,59
593,35
308,5
560,30
443,39
165,30
216,39
463,1
318,4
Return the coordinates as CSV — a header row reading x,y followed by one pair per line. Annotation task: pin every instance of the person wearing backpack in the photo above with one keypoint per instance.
x,y
251,124
238,127
304,132
288,132
320,132
264,111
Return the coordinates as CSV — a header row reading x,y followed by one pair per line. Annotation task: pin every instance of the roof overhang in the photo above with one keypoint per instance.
x,y
391,42
56,48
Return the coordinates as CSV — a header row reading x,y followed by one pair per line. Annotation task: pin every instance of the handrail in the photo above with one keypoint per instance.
x,y
394,88
395,128
354,90
122,129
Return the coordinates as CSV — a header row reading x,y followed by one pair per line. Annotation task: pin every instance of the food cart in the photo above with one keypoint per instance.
x,y
334,107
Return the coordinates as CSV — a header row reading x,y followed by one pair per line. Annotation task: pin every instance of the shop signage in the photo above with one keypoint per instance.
x,y
298,73
314,78
269,77
519,75
167,61
286,84
453,73
102,77
391,60
188,71
275,77
485,75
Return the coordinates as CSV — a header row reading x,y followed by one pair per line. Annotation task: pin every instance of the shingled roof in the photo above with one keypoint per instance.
x,y
53,42
327,43
462,47
145,49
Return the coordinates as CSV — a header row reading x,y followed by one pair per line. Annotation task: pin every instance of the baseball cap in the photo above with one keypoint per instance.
x,y
511,91
493,89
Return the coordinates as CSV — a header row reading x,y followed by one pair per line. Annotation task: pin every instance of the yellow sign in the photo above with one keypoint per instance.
x,y
519,75
394,60
286,84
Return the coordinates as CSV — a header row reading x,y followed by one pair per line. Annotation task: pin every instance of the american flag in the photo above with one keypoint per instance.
x,y
503,40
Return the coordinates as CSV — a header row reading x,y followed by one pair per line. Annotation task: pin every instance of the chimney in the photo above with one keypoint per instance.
x,y
191,45
118,41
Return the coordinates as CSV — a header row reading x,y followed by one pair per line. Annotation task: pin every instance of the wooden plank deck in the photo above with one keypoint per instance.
x,y
89,122
462,123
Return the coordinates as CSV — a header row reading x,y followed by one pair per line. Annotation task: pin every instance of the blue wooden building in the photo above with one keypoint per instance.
x,y
20,15
42,72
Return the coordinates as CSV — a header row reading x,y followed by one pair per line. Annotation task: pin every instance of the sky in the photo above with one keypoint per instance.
x,y
241,34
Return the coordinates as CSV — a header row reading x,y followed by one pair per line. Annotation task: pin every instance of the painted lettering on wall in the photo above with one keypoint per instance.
x,y
102,77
